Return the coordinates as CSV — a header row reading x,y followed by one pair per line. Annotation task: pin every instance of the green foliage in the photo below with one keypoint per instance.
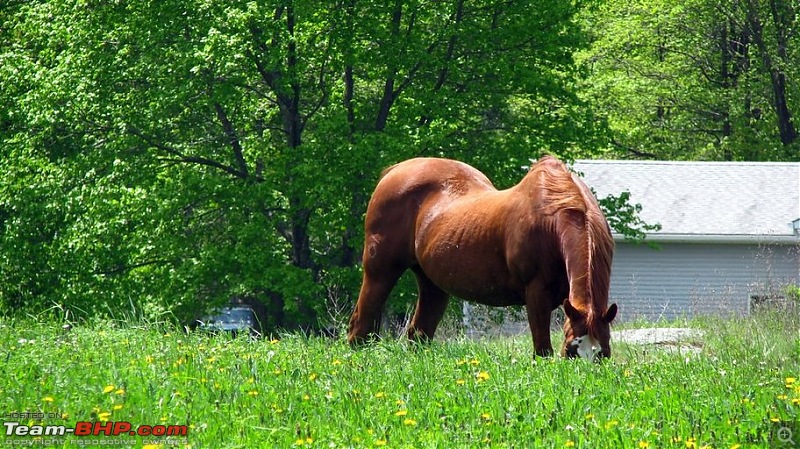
x,y
168,156
623,217
299,392
695,80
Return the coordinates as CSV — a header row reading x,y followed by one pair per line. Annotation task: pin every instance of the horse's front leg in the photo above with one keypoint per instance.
x,y
539,312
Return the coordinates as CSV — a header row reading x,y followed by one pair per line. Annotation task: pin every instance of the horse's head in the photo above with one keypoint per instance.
x,y
587,340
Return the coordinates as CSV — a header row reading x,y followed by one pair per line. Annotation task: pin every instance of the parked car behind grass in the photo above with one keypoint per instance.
x,y
232,319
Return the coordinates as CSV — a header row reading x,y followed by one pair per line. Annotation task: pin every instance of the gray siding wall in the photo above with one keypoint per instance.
x,y
684,280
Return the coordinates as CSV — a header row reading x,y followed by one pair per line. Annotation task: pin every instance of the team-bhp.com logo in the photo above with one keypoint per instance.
x,y
86,428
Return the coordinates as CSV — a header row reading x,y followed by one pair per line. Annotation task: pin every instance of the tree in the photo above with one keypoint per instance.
x,y
163,157
696,80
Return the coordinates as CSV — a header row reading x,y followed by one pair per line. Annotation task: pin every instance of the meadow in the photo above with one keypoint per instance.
x,y
291,391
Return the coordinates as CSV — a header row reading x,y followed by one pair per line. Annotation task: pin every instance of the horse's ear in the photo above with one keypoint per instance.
x,y
610,314
571,312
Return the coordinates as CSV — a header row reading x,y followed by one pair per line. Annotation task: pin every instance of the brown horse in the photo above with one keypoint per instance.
x,y
541,243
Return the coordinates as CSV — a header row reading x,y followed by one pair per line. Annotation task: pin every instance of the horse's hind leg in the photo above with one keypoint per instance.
x,y
375,289
430,309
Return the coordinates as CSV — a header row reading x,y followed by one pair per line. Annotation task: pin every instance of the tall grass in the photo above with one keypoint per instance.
x,y
298,391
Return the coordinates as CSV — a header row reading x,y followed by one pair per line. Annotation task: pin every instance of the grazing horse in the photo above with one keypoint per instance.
x,y
542,243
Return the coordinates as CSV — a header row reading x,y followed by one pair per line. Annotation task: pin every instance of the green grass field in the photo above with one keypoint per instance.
x,y
295,391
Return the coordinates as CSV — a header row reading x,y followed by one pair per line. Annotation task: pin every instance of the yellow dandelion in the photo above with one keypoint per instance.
x,y
774,419
736,446
486,416
274,341
643,444
676,439
309,440
252,393
612,423
120,392
337,362
569,443
312,377
306,397
403,412
795,401
47,399
691,443
482,375
460,381
790,380
409,422
589,416
277,371
104,416
474,362
117,407
380,394
108,389
152,446
299,442
380,442
400,402
782,397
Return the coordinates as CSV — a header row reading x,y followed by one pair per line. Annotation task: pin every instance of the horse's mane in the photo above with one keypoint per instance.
x,y
565,196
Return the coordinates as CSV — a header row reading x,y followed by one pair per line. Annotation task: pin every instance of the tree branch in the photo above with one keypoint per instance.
x,y
634,151
233,139
179,157
123,268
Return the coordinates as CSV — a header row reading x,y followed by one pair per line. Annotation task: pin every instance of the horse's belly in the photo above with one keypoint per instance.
x,y
480,278
460,247
491,295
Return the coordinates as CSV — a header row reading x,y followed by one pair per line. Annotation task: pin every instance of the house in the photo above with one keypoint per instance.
x,y
728,237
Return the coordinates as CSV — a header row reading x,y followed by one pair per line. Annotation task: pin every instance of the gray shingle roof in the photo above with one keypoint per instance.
x,y
705,200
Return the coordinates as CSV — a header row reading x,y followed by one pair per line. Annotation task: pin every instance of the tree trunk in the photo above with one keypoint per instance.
x,y
786,129
388,97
